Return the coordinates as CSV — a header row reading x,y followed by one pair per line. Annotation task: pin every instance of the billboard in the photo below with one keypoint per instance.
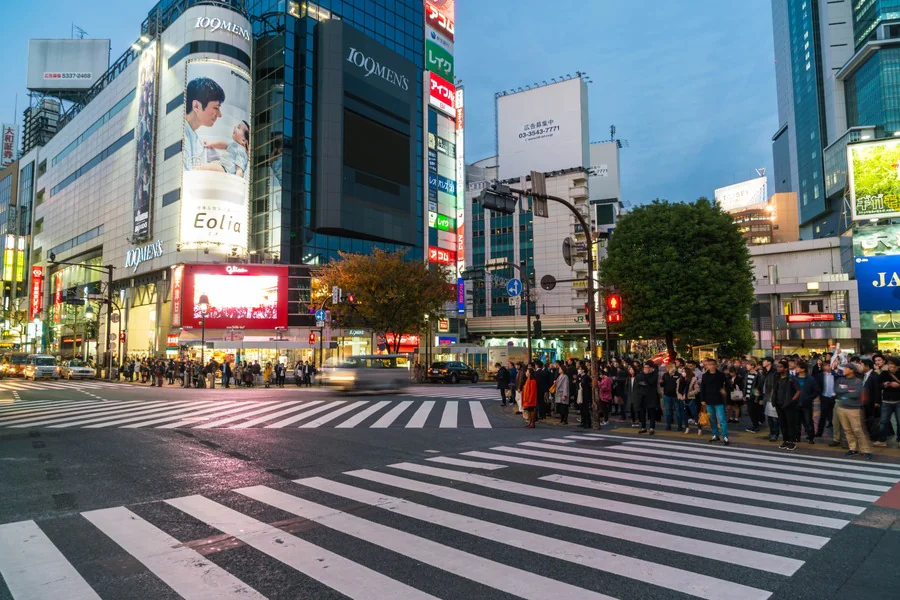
x,y
216,146
8,151
442,94
250,296
440,14
543,129
878,279
874,177
143,133
438,60
441,256
876,240
55,65
37,292
742,195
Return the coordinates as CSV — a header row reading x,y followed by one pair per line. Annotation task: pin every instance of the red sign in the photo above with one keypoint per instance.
x,y
249,296
171,340
57,297
815,317
440,14
443,94
37,292
441,256
177,283
405,340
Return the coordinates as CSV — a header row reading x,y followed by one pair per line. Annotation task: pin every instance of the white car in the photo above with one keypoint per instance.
x,y
77,369
40,366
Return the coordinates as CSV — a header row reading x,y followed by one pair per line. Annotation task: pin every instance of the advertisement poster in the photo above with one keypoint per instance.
x,y
177,294
57,296
442,94
439,14
8,153
876,240
439,60
874,179
37,292
216,152
250,296
878,278
143,133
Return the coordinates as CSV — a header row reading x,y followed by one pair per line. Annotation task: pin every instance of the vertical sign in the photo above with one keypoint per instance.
x,y
57,296
8,152
461,296
442,94
177,282
143,134
9,257
37,292
460,182
20,260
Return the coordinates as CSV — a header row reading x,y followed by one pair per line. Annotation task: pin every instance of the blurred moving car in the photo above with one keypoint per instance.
x,y
378,372
76,369
452,371
40,366
13,364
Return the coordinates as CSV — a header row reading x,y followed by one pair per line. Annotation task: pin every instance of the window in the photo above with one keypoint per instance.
x,y
39,197
42,167
39,226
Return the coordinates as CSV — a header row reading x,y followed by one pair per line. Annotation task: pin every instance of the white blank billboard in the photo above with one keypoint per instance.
x,y
66,64
544,129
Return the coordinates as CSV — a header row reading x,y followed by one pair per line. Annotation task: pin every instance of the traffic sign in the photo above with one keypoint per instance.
x,y
320,315
513,287
514,301
112,337
115,317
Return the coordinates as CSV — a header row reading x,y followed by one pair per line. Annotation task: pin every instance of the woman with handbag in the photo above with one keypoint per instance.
x,y
529,397
561,395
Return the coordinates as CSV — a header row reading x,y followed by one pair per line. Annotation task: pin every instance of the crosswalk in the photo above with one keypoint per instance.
x,y
243,414
20,385
549,518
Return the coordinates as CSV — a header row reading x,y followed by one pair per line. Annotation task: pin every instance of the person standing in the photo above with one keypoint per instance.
x,y
752,395
670,381
825,378
520,386
257,373
529,397
604,397
562,394
502,382
713,393
890,400
646,399
809,391
785,398
872,386
513,374
768,389
851,398
211,370
227,374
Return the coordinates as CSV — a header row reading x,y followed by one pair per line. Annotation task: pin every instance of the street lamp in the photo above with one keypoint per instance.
x,y
203,305
88,317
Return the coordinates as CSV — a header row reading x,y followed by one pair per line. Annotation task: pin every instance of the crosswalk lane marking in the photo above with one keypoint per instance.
x,y
275,415
184,570
34,568
392,415
759,532
479,417
334,414
243,413
451,415
160,411
166,419
421,415
469,566
343,575
671,578
45,411
459,462
178,419
362,416
106,409
628,459
304,415
17,407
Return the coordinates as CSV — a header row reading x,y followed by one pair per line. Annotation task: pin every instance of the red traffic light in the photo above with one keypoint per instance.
x,y
312,338
350,298
613,302
613,317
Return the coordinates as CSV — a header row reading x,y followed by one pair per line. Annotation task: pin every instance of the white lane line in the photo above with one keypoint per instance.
x,y
691,473
360,417
469,566
107,409
215,407
264,407
770,457
305,414
184,418
138,416
688,582
707,504
34,569
450,418
275,415
26,405
334,414
459,462
611,473
625,508
479,417
421,415
627,460
26,413
186,571
391,416
345,576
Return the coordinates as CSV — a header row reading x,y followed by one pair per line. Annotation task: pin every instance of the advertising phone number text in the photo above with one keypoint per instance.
x,y
535,132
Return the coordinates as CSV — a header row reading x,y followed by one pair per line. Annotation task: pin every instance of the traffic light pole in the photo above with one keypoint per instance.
x,y
526,289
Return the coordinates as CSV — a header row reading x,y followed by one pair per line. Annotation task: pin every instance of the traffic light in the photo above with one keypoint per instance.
x,y
613,308
312,338
498,197
537,331
350,298
587,312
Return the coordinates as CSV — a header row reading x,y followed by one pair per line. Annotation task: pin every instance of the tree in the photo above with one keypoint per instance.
x,y
684,272
392,296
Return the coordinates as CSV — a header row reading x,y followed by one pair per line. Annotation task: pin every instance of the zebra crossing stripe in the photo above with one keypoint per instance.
x,y
392,415
48,411
671,578
479,417
303,415
635,510
157,421
469,566
160,411
181,568
345,576
708,467
242,414
34,568
362,416
275,415
451,414
106,409
17,407
334,414
418,419
459,462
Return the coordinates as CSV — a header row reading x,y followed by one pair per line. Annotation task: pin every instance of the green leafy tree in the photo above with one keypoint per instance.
x,y
684,273
392,296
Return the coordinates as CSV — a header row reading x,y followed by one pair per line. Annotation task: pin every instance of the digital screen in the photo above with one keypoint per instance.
x,y
375,149
255,297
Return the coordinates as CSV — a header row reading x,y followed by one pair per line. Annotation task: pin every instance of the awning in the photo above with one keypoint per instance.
x,y
249,345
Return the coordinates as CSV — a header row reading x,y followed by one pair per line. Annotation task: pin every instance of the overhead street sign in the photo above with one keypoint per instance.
x,y
514,287
320,315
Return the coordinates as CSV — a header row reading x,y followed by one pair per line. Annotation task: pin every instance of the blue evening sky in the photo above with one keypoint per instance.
x,y
689,83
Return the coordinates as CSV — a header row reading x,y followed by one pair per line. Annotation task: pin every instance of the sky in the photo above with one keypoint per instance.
x,y
689,83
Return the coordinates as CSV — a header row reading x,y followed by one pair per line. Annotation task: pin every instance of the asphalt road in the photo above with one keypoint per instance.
x,y
125,492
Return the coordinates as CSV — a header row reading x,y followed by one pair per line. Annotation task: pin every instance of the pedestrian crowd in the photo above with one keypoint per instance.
x,y
194,373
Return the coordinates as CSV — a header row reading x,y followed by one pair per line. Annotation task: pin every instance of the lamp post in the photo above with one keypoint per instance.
x,y
88,317
204,308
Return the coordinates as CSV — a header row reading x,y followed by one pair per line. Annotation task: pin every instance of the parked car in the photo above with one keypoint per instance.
x,y
76,369
40,366
379,372
452,371
13,364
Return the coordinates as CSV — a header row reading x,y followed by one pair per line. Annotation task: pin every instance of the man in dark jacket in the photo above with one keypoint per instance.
x,y
767,387
646,398
502,382
785,396
809,391
713,392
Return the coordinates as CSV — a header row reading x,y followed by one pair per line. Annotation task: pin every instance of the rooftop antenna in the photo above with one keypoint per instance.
x,y
621,143
78,32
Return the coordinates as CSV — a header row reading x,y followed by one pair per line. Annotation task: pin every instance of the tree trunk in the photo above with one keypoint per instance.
x,y
670,345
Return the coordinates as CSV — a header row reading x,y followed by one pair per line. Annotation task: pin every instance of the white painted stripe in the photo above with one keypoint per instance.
x,y
34,569
695,584
469,566
391,416
334,414
305,414
185,418
184,570
275,415
26,413
18,406
360,417
264,407
688,485
207,410
450,418
459,462
690,472
418,419
479,417
137,416
707,504
345,576
107,409
681,518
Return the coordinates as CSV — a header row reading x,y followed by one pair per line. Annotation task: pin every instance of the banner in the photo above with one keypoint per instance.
x,y
37,292
144,135
8,153
177,291
214,193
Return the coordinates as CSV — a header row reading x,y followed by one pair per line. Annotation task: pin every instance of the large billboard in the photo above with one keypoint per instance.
x,y
874,176
143,133
216,152
744,194
878,279
440,15
55,65
442,94
543,129
249,296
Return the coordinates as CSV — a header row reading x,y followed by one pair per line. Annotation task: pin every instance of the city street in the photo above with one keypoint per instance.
x,y
121,491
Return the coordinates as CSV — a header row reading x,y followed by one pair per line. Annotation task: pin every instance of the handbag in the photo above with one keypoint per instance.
x,y
553,388
703,420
